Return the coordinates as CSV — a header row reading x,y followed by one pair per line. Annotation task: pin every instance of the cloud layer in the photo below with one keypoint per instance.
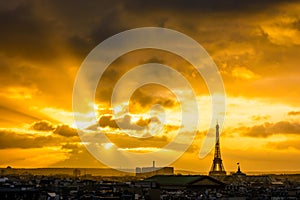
x,y
255,45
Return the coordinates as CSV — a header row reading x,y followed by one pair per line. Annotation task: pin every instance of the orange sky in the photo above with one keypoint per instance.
x,y
255,44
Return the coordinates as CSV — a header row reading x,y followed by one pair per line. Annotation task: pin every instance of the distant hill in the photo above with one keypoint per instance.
x,y
66,171
186,172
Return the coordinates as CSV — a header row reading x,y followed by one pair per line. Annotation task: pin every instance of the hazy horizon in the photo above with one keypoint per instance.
x,y
176,171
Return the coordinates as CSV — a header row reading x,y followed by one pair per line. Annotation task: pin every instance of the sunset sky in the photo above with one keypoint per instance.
x,y
255,45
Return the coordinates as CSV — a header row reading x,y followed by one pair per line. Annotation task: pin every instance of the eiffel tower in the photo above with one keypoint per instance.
x,y
217,167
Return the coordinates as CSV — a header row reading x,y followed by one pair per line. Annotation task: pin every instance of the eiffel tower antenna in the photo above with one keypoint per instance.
x,y
217,167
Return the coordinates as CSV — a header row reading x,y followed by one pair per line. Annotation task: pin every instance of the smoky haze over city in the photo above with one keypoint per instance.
x,y
164,119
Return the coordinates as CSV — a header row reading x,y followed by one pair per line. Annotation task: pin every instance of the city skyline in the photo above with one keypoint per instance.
x,y
255,46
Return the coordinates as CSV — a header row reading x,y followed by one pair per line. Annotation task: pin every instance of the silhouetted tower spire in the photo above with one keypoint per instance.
x,y
217,167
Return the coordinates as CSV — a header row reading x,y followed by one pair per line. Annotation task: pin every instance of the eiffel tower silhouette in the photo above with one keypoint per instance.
x,y
217,167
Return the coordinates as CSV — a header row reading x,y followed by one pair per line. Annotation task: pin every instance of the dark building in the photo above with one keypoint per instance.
x,y
152,171
185,182
239,173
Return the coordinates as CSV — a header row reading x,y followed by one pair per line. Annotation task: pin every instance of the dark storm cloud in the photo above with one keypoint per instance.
x,y
201,5
107,121
83,25
70,146
268,129
126,122
150,96
57,137
45,32
145,122
42,126
9,139
31,28
65,131
108,24
24,34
